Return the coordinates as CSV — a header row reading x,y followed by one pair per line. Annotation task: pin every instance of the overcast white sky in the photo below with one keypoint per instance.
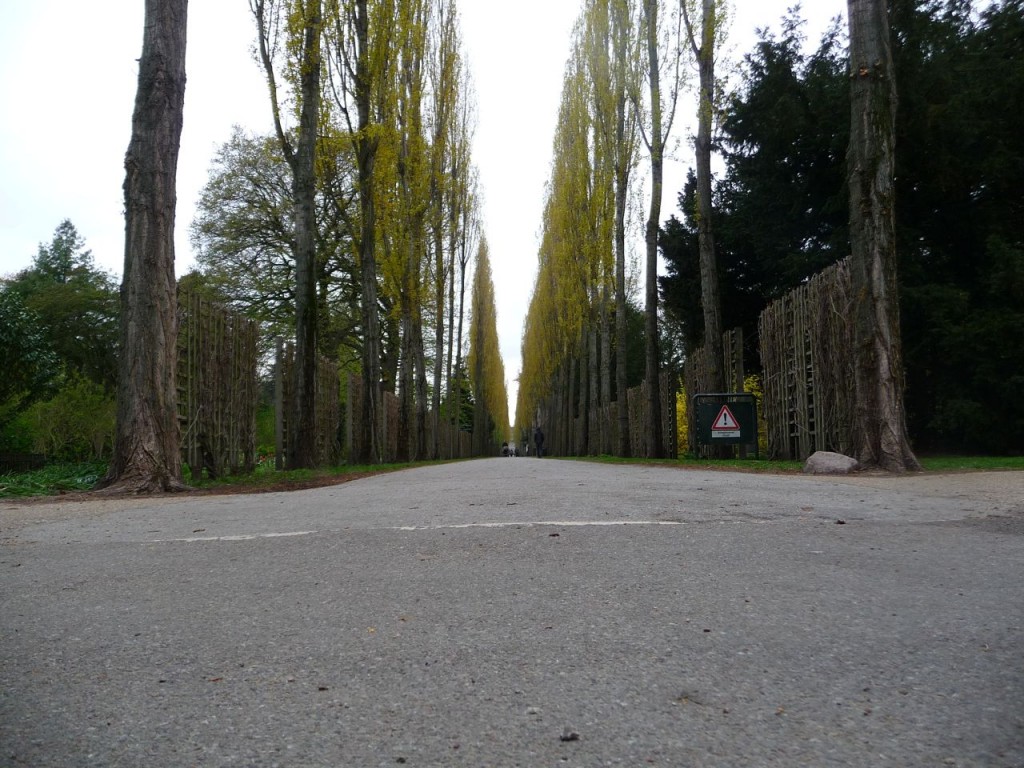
x,y
67,91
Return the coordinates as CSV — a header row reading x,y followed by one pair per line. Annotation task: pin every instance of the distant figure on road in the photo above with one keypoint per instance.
x,y
538,440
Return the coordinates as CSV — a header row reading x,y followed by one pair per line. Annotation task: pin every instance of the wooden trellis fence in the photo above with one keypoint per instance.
x,y
452,444
217,387
604,424
696,379
807,359
327,446
637,399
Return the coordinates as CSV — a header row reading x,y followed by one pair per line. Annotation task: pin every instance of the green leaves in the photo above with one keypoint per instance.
x,y
30,364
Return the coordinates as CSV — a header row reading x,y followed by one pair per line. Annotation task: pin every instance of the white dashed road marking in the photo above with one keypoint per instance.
x,y
238,537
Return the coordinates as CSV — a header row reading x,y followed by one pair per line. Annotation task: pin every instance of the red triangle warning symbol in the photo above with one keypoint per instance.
x,y
725,421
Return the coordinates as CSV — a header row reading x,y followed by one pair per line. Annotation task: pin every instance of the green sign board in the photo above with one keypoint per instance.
x,y
726,419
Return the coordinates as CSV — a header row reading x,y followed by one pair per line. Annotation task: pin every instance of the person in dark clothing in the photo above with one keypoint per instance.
x,y
538,440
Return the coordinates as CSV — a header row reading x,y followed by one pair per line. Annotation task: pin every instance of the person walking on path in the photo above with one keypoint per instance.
x,y
538,440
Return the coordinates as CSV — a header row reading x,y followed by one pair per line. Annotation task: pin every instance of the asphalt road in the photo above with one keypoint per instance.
x,y
522,612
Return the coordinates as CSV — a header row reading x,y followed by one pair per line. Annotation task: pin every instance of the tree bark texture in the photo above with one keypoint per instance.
x,y
147,456
705,232
653,357
463,263
591,441
881,423
366,155
621,325
623,162
405,377
440,282
301,443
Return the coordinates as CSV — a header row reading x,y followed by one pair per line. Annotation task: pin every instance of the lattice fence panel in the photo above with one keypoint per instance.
x,y
327,404
807,361
217,387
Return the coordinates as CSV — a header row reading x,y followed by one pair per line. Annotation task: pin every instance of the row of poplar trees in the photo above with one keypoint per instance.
x,y
627,67
379,209
622,84
382,108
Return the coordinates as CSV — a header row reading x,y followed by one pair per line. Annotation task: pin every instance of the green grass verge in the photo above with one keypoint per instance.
x,y
966,463
56,479
747,465
929,463
52,480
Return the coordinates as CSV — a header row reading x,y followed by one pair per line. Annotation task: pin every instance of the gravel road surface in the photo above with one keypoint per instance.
x,y
522,612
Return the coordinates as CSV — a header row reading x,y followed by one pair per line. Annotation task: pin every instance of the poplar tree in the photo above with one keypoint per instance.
x,y
661,35
362,55
445,78
147,454
487,371
406,222
878,364
292,28
703,45
468,243
613,70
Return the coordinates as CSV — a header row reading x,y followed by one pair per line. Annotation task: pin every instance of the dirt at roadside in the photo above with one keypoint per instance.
x,y
40,509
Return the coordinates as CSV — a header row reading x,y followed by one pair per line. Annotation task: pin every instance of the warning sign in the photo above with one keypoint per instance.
x,y
725,424
728,418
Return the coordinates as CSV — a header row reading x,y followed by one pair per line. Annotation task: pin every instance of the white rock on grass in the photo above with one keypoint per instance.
x,y
829,463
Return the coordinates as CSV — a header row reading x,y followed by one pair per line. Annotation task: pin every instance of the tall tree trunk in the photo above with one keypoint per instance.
x,y
481,428
420,371
450,352
621,324
302,438
585,383
653,357
705,232
623,162
591,444
463,261
147,455
301,448
440,286
605,397
405,388
881,422
366,155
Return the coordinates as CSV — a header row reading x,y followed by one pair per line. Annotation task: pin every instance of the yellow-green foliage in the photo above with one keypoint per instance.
x,y
752,384
486,368
682,423
77,424
576,258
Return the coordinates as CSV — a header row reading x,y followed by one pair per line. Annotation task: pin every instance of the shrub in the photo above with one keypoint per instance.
x,y
77,424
